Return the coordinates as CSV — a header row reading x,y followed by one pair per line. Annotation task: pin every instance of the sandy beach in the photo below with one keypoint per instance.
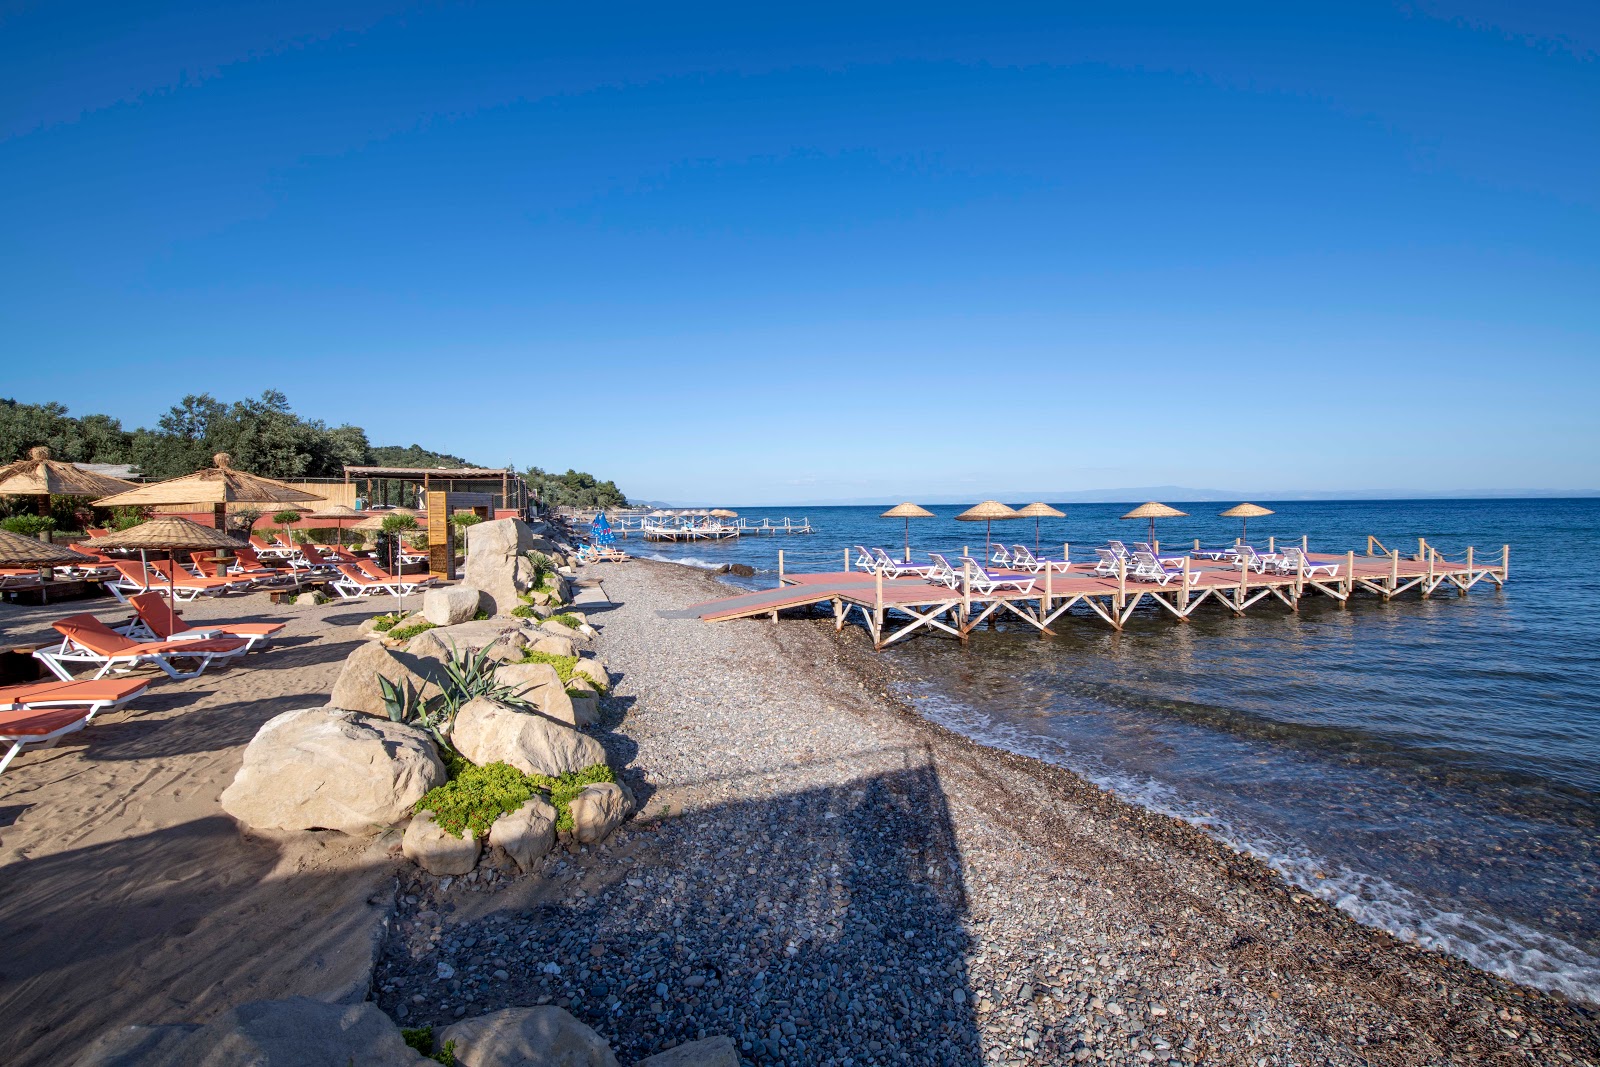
x,y
815,870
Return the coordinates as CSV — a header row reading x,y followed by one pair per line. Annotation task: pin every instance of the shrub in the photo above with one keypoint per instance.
x,y
388,622
571,622
28,525
421,1039
562,664
406,633
524,611
481,615
124,518
476,796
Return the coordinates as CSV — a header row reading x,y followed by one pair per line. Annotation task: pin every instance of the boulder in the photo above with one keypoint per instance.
x,y
298,1032
554,644
436,851
357,688
527,833
585,701
576,634
710,1052
742,570
595,669
539,685
526,1037
497,562
540,543
505,642
334,769
598,810
310,599
486,732
451,604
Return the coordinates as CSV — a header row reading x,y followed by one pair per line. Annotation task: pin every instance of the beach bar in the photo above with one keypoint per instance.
x,y
894,609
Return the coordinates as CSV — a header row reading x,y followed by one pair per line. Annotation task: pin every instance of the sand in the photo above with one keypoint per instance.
x,y
130,897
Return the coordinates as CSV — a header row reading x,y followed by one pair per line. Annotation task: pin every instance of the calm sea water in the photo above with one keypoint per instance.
x,y
1431,767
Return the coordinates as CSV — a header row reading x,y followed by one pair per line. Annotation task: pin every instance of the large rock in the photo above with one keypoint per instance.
x,y
539,685
505,641
598,810
436,851
595,669
357,688
554,644
527,833
334,769
526,1037
451,604
585,701
711,1052
299,1032
487,732
497,562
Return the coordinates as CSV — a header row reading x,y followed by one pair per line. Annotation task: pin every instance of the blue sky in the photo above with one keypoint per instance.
x,y
762,254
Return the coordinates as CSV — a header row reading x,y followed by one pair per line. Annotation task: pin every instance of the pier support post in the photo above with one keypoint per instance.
x,y
1422,549
1505,562
780,566
1394,573
1049,588
838,614
1427,583
847,561
1244,588
1461,590
1272,545
1349,578
1122,588
966,595
1183,591
877,610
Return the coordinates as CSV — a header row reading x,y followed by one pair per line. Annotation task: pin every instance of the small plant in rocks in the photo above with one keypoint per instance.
x,y
384,623
476,796
567,619
563,664
524,611
407,632
421,1039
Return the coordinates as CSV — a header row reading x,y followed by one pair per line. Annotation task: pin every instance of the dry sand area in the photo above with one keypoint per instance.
x,y
129,896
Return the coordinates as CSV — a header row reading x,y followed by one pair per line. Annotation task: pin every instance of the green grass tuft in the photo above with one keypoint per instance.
x,y
476,796
406,633
571,622
562,664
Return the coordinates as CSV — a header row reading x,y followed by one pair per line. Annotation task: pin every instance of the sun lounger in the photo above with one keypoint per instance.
x,y
609,554
985,581
1170,561
266,551
158,622
998,554
1023,559
371,569
137,578
1246,556
247,564
865,561
1147,568
1292,559
1107,562
41,713
164,568
353,584
942,573
889,567
85,639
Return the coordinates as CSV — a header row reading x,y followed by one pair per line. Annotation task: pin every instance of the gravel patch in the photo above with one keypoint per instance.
x,y
829,879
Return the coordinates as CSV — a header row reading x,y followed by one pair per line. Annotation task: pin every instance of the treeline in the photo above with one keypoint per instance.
x,y
262,435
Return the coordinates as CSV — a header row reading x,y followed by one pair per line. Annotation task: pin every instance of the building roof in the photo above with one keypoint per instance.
x,y
431,472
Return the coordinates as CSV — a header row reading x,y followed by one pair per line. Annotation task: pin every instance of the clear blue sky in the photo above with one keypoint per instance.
x,y
757,254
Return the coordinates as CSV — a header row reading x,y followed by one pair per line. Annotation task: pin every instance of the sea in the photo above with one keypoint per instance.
x,y
1430,767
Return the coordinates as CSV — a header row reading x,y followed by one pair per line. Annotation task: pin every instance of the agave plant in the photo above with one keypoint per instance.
x,y
405,704
471,674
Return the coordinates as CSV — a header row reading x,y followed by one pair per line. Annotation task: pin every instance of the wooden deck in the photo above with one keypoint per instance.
x,y
894,609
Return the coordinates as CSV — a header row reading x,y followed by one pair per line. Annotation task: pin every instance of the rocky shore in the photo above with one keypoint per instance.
x,y
829,879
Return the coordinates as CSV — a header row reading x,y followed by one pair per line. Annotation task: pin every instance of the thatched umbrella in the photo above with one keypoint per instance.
x,y
41,477
723,513
19,551
1244,513
907,511
986,513
373,520
340,514
169,533
218,486
1038,510
1154,511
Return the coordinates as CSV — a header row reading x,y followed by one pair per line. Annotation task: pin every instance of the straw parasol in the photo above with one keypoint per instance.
x,y
986,513
1244,513
19,551
374,519
218,486
340,514
723,513
169,533
1154,511
1038,510
907,511
42,477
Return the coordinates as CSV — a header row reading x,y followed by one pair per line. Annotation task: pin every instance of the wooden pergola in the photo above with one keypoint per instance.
x,y
514,492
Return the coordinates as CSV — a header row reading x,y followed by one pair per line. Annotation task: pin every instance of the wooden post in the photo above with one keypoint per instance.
x,y
1304,542
780,567
1505,561
1066,553
1197,544
1155,548
1349,578
1122,587
1461,590
1422,549
1427,583
1369,544
847,561
1272,545
877,608
1244,586
1299,579
966,592
1394,573
1183,593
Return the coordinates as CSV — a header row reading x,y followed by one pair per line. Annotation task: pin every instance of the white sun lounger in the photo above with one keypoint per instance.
x,y
984,582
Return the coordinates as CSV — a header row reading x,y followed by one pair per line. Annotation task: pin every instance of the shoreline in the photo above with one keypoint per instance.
x,y
1226,960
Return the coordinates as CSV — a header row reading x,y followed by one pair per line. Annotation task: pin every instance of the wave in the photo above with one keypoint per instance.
x,y
1500,946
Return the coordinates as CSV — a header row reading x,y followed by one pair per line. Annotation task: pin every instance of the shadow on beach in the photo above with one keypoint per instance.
x,y
811,926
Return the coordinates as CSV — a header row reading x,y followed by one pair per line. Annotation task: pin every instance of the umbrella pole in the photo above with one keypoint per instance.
x,y
1036,535
144,568
172,571
908,538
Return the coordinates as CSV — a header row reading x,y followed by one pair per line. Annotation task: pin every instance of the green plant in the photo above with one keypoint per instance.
x,y
243,519
405,705
28,525
524,611
543,567
562,664
471,674
570,621
421,1039
481,615
406,633
476,796
125,518
384,623
287,518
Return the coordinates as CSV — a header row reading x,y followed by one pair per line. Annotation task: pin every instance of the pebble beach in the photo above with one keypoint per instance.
x,y
828,878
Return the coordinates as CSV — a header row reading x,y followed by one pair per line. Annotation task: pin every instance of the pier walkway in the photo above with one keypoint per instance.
x,y
894,609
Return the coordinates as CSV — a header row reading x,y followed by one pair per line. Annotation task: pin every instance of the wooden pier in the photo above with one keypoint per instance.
x,y
894,609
